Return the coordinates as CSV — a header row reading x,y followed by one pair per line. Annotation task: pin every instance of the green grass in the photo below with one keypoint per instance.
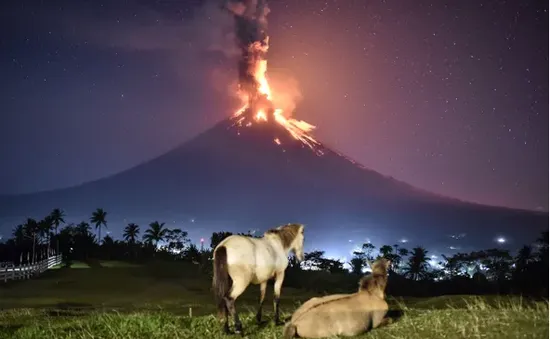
x,y
154,301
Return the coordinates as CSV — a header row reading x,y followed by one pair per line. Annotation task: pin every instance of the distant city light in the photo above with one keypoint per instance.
x,y
433,262
404,241
501,240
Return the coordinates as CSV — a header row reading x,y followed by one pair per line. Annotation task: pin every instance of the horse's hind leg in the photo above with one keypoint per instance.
x,y
263,287
279,277
236,290
226,328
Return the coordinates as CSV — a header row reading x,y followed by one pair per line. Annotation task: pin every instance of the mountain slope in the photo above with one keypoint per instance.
x,y
258,176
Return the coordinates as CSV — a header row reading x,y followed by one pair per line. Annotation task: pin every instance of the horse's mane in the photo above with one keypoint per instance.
x,y
287,233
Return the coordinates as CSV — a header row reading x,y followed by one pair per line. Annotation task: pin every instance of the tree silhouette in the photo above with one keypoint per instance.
x,y
218,237
57,216
84,239
358,262
387,251
177,240
44,229
417,267
498,263
368,249
155,233
524,258
131,232
99,219
18,234
314,259
31,231
453,265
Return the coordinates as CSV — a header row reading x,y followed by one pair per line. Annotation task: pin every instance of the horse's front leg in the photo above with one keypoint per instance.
x,y
279,277
263,286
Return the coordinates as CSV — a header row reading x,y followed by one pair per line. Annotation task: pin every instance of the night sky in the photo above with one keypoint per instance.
x,y
448,96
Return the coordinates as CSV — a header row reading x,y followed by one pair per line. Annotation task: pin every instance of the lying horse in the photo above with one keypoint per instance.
x,y
240,260
344,314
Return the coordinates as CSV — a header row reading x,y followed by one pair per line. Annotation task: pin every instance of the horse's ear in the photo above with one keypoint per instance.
x,y
370,264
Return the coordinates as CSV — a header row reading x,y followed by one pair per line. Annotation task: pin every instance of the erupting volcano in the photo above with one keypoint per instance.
x,y
256,169
254,89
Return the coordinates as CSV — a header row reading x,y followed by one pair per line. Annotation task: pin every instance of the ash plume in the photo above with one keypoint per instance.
x,y
252,40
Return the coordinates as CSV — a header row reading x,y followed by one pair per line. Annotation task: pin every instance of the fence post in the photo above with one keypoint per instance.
x,y
6,274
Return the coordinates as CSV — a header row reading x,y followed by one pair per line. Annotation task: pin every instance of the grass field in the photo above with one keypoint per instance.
x,y
171,300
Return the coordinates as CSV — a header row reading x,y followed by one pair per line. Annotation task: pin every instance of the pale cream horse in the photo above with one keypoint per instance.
x,y
344,314
241,260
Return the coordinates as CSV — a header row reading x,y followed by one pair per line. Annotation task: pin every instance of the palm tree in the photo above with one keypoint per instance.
x,y
524,258
99,219
84,239
18,234
130,233
57,216
387,251
368,248
418,263
31,231
83,228
155,233
357,262
44,229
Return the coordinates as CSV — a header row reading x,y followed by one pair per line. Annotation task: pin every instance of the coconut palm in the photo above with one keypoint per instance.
x,y
155,233
131,231
18,234
44,229
99,219
83,228
418,263
57,216
31,231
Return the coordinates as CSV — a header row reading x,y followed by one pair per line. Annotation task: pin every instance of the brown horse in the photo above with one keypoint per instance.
x,y
240,260
344,314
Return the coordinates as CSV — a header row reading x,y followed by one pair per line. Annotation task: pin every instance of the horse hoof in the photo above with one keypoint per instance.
x,y
227,330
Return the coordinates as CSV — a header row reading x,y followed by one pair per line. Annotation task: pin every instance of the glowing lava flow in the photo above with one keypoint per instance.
x,y
258,106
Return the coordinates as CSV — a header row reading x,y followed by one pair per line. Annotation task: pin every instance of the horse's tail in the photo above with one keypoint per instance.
x,y
289,331
221,283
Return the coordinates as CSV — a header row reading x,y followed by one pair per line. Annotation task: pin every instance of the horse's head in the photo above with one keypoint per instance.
x,y
291,237
297,245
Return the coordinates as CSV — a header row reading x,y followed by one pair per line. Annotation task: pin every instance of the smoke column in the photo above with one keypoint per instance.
x,y
252,40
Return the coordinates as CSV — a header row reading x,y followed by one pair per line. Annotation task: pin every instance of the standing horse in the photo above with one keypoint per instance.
x,y
241,260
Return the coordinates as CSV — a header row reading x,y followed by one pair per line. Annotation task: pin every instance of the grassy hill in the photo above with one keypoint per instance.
x,y
172,300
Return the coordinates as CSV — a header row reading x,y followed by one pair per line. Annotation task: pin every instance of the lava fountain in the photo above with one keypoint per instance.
x,y
253,87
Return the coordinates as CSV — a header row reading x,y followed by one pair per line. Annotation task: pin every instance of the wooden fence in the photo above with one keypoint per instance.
x,y
29,270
